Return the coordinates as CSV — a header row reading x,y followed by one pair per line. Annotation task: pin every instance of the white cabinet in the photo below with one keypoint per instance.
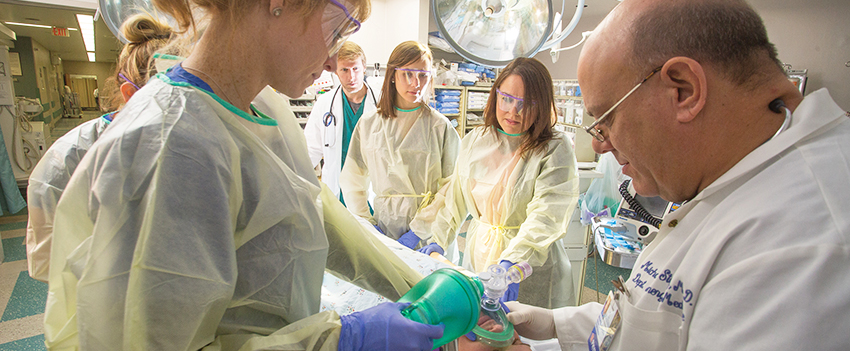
x,y
302,106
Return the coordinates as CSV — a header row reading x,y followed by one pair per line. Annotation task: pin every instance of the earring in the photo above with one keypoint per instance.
x,y
277,11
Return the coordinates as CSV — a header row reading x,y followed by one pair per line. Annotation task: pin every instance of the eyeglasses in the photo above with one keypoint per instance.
x,y
596,133
507,101
335,37
417,76
128,80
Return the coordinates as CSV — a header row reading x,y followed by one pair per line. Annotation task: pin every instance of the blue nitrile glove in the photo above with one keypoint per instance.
x,y
513,288
384,328
409,239
432,247
379,229
471,335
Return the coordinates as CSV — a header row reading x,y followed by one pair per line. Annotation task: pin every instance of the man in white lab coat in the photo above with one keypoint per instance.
x,y
692,101
335,113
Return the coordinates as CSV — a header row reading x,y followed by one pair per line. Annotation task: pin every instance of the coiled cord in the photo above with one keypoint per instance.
x,y
636,206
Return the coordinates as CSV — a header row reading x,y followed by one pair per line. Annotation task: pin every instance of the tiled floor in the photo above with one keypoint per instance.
x,y
22,299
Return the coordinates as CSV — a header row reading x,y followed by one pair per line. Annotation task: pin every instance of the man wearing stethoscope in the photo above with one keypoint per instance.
x,y
335,114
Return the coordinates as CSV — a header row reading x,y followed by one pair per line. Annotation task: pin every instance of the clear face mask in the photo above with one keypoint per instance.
x,y
337,25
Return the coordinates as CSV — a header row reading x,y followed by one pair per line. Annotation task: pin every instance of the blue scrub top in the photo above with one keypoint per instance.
x,y
350,119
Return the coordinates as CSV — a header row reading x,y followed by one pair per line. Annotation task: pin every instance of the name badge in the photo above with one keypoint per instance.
x,y
608,322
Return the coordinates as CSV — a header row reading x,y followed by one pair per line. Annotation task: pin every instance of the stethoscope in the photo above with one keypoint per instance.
x,y
330,119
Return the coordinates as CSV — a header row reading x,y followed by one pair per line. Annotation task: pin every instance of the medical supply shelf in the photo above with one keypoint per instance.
x,y
463,123
302,106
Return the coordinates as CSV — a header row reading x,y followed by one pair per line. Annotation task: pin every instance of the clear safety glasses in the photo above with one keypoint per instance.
x,y
506,102
128,80
414,76
337,26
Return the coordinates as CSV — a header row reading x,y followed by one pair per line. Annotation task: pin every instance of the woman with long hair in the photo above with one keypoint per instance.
x,y
406,150
517,177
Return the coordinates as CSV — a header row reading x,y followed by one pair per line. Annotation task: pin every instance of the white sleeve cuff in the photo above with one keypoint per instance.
x,y
573,324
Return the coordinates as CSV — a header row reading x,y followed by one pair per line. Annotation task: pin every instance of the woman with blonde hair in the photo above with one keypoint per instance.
x,y
49,178
194,221
405,151
517,177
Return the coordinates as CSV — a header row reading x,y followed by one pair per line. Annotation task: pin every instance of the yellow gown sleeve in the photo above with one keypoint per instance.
x,y
354,179
425,217
443,230
358,256
548,214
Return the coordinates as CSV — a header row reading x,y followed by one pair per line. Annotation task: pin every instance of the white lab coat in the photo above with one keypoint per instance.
x,y
756,261
319,143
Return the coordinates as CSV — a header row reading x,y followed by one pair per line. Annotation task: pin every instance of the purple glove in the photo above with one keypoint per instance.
x,y
512,294
432,247
384,328
409,239
379,229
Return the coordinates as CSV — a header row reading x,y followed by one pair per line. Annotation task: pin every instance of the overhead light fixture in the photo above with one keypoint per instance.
x,y
86,23
33,25
28,25
91,56
494,32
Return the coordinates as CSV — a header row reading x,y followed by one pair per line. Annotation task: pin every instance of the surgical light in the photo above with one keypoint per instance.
x,y
494,32
86,23
115,12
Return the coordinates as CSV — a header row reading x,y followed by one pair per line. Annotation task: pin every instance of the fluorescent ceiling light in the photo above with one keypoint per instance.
x,y
33,25
28,25
87,30
91,56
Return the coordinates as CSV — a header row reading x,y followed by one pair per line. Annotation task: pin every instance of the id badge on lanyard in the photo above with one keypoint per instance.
x,y
609,320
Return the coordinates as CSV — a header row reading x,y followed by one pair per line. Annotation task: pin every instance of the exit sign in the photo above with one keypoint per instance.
x,y
60,32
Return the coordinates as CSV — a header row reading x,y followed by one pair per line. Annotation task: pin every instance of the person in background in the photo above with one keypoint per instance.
x,y
50,176
96,95
691,99
405,151
336,113
518,178
194,222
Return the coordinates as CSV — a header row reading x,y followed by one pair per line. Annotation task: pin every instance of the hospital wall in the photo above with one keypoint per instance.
x,y
813,35
102,70
390,23
40,78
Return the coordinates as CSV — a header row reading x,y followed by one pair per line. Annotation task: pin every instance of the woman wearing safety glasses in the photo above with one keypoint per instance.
x,y
406,151
193,222
518,178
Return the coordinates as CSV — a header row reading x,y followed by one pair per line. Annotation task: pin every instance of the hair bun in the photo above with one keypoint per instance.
x,y
141,28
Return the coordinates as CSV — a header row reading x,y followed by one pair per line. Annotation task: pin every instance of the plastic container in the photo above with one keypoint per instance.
x,y
494,329
446,296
